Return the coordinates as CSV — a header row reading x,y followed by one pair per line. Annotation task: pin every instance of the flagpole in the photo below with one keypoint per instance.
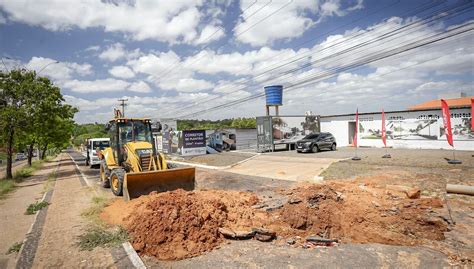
x,y
356,137
384,137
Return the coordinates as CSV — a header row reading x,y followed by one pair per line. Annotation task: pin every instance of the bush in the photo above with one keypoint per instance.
x,y
33,208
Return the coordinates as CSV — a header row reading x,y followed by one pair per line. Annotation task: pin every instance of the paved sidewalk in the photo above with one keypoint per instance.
x,y
63,224
283,167
14,224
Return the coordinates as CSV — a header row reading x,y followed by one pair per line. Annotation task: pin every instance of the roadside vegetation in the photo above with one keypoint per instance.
x,y
82,132
37,206
27,171
93,212
15,248
99,234
239,123
33,114
3,159
99,237
6,186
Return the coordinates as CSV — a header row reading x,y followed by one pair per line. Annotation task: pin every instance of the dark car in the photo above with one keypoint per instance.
x,y
316,142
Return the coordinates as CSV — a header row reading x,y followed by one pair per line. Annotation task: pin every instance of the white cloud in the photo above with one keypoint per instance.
x,y
186,85
208,34
162,20
92,48
95,86
113,52
140,86
58,71
121,71
264,22
101,110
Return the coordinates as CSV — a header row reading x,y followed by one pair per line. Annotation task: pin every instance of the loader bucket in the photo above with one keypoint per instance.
x,y
142,183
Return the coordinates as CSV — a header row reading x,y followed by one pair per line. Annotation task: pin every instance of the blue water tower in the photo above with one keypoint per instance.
x,y
274,97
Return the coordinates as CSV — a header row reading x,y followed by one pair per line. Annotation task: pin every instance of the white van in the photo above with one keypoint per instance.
x,y
92,145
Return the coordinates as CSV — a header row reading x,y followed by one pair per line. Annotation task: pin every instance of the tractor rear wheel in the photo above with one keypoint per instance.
x,y
116,181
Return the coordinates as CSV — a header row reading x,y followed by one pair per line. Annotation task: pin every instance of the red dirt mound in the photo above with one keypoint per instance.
x,y
179,224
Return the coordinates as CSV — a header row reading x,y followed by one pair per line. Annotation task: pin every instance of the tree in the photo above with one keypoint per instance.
x,y
15,89
33,112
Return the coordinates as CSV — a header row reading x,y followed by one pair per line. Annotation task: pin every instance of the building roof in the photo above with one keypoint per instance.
x,y
457,102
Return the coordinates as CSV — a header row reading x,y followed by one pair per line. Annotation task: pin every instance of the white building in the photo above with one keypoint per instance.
x,y
419,127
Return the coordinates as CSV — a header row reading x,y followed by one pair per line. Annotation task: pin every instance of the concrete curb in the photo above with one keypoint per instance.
x,y
133,256
26,255
127,247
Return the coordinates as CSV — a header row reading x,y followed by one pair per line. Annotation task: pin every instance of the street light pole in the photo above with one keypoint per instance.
x,y
42,68
55,62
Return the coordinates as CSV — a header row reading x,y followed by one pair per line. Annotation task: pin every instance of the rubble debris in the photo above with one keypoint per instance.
x,y
414,193
318,239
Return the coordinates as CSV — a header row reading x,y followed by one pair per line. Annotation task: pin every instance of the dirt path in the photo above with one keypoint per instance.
x,y
14,224
63,224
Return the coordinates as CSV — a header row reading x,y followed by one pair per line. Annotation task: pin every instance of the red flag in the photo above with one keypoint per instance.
x,y
447,122
472,114
357,128
384,134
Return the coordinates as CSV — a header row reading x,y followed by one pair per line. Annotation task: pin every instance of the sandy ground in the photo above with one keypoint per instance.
x,y
284,168
222,159
57,246
14,224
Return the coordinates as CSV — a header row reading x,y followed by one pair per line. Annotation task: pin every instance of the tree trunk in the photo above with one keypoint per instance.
x,y
10,154
30,153
43,154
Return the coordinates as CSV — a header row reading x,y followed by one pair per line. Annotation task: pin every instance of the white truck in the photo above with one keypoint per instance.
x,y
92,145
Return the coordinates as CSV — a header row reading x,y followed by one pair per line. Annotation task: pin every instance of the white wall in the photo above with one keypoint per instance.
x,y
401,129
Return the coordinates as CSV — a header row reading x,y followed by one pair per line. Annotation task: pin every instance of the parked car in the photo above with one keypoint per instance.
x,y
20,157
316,142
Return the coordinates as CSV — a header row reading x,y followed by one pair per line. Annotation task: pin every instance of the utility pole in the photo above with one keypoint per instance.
x,y
123,105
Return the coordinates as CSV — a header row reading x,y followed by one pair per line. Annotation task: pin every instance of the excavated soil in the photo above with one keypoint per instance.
x,y
177,225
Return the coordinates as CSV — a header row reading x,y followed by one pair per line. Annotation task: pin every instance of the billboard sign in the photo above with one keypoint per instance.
x,y
194,142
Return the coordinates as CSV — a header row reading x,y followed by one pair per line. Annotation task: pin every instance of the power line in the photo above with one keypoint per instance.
x,y
207,45
372,58
386,35
422,7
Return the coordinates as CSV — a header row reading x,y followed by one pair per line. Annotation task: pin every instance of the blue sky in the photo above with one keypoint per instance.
x,y
174,58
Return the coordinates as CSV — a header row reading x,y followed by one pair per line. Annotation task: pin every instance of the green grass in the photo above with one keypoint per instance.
x,y
93,212
3,157
6,186
99,234
33,208
27,171
100,237
15,248
49,182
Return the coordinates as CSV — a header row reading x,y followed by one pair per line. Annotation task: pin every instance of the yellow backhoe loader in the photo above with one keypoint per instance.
x,y
131,166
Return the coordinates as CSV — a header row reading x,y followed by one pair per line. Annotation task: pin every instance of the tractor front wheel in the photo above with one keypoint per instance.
x,y
116,181
103,175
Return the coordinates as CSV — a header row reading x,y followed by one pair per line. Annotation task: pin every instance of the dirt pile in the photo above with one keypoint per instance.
x,y
357,213
179,224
